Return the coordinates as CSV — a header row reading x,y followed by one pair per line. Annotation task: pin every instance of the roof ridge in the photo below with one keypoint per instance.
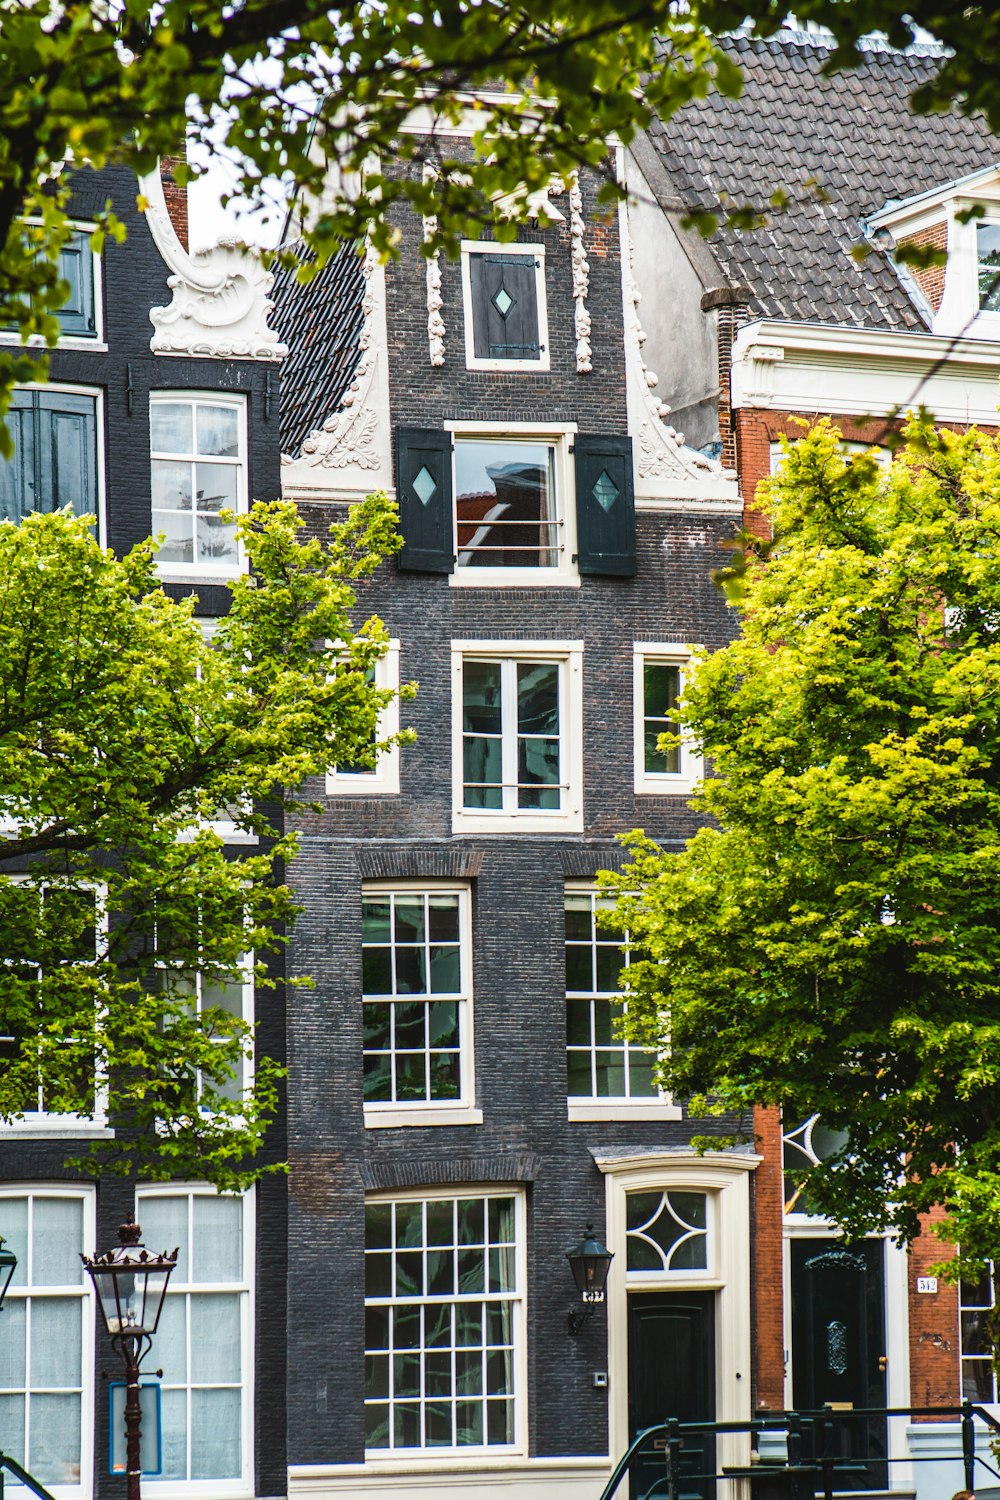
x,y
820,39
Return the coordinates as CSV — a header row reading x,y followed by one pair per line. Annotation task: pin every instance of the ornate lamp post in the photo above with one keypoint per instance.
x,y
131,1285
8,1265
590,1262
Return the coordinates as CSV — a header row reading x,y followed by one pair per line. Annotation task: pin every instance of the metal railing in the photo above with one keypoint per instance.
x,y
812,1466
22,1476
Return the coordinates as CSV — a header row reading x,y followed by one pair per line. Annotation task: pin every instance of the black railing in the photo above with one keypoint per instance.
x,y
22,1476
811,1466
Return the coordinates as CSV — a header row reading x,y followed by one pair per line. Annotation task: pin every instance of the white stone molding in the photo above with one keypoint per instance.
x,y
435,301
349,455
220,303
666,469
581,279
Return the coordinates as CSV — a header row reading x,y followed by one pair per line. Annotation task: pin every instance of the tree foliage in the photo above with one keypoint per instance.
x,y
125,734
830,941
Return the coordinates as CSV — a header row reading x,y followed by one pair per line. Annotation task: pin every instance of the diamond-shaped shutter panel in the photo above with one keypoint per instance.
x,y
424,485
503,302
606,492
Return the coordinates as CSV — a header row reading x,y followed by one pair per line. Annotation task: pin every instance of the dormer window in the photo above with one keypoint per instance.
x,y
988,265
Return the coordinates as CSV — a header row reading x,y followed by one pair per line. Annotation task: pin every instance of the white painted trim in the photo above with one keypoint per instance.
x,y
176,572
461,1111
569,818
578,1109
661,783
497,247
488,1479
218,1489
821,367
383,779
559,436
88,1299
724,1176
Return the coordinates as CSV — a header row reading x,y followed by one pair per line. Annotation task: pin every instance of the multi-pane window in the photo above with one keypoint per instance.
x,y
506,504
202,1342
231,996
54,462
382,778
511,749
666,1231
601,1063
803,1147
416,982
46,1338
988,266
657,681
443,1321
198,457
978,1304
61,927
505,313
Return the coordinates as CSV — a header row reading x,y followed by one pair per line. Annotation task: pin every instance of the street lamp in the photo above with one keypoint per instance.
x,y
590,1262
131,1285
8,1265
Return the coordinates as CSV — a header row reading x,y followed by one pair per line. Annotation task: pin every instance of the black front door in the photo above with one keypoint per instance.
x,y
671,1373
839,1350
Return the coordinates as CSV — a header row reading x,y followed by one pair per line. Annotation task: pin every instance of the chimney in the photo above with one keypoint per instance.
x,y
176,197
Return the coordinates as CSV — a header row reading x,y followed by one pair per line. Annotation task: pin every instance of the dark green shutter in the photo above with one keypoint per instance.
x,y
504,306
66,450
17,474
424,489
605,506
76,268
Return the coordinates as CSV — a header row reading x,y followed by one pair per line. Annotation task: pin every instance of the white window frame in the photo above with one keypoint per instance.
x,y
85,1293
383,778
559,436
96,345
177,572
71,388
495,247
245,1289
247,1014
569,817
391,1460
43,1124
461,1111
619,1106
661,783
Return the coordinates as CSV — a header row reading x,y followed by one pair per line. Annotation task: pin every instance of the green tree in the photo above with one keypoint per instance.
x,y
125,923
297,91
830,940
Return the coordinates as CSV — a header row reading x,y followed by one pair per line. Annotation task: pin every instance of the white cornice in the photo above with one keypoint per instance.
x,y
811,367
220,303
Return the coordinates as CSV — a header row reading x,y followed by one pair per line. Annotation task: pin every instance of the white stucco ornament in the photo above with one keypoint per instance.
x,y
220,303
581,280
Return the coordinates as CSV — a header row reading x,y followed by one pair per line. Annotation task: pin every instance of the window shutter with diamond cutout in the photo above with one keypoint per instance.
x,y
423,485
605,506
504,306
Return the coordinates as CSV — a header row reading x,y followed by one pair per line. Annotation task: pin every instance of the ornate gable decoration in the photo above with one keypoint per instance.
x,y
220,303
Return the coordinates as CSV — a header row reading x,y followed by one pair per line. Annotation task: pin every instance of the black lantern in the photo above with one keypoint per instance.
x,y
8,1265
590,1262
131,1285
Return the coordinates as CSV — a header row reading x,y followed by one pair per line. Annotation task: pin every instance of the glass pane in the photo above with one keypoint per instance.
x,y
442,1024
216,487
445,1080
443,919
171,1340
610,962
481,697
409,919
216,541
471,1221
218,431
164,1225
12,1348
218,1239
54,1446
988,249
376,971
411,975
504,504
170,427
441,1222
215,1434
378,1226
14,1213
445,971
178,538
173,1432
56,1342
215,1339
578,918
56,1241
579,970
482,772
501,1216
661,688
578,1075
376,1328
12,1428
171,485
538,697
377,1426
375,920
409,1224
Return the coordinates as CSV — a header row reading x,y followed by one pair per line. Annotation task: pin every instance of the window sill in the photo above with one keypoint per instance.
x,y
463,821
167,574
56,1128
360,786
514,578
529,366
389,1117
67,341
667,786
622,1109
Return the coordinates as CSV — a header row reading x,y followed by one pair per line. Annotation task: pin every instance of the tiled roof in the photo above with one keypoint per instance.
x,y
840,147
321,324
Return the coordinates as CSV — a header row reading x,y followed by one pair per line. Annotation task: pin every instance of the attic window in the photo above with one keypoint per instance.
x,y
505,320
988,266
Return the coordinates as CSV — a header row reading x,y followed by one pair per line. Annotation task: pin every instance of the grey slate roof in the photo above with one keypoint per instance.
x,y
321,324
854,135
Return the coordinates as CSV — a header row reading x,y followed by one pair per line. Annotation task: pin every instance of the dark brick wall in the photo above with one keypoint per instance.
x,y
519,984
135,279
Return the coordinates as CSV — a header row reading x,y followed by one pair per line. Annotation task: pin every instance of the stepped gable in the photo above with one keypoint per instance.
x,y
321,324
840,147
